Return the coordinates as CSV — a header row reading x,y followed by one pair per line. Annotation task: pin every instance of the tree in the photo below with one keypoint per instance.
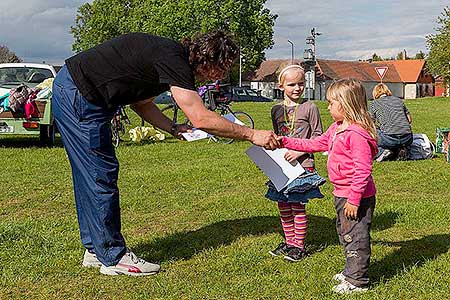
x,y
419,55
375,57
7,56
438,60
249,21
402,56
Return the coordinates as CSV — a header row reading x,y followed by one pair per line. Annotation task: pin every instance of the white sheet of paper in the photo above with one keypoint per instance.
x,y
198,134
232,118
195,135
275,166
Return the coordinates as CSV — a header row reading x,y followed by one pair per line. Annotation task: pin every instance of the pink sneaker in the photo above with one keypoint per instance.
x,y
131,265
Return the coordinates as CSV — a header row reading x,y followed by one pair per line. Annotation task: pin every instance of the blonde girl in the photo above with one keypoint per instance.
x,y
351,145
295,117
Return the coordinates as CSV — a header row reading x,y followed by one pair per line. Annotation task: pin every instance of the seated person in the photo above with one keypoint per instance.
x,y
393,122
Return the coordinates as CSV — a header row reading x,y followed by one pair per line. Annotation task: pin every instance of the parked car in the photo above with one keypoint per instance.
x,y
163,98
247,94
11,76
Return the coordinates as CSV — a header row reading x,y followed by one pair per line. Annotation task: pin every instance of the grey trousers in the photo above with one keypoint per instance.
x,y
354,235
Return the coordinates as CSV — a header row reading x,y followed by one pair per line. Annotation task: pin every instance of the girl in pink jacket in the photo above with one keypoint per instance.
x,y
351,145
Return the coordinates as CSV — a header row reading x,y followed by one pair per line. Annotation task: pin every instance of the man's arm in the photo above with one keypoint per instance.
x,y
204,119
148,110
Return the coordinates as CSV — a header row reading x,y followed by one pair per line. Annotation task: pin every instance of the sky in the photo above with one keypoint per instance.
x,y
39,30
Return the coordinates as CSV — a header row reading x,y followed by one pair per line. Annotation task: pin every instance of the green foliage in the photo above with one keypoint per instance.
x,y
419,55
250,22
439,57
100,21
401,56
375,57
8,56
199,209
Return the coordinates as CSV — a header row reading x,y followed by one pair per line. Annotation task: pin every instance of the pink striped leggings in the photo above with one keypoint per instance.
x,y
294,222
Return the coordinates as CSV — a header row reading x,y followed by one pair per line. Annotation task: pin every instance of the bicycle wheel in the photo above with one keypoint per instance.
x,y
241,116
244,118
115,137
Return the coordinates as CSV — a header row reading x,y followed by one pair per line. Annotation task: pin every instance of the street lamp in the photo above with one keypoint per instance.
x,y
292,51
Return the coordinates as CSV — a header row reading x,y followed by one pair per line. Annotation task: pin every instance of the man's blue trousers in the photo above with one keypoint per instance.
x,y
86,135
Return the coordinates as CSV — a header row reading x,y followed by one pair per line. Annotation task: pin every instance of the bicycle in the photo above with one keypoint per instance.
x,y
215,100
118,122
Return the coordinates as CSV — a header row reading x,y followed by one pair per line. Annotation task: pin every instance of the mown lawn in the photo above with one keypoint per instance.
x,y
199,209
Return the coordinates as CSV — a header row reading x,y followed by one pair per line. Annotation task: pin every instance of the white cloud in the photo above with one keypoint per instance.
x,y
38,30
354,29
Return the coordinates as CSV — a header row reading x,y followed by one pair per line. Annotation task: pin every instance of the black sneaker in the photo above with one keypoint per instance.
x,y
295,254
281,249
385,155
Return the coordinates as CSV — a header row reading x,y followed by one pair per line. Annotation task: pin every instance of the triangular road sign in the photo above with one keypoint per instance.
x,y
381,71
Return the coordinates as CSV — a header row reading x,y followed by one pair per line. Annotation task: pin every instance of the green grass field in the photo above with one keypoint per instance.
x,y
199,209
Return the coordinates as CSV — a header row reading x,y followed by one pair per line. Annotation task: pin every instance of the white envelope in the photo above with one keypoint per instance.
x,y
195,135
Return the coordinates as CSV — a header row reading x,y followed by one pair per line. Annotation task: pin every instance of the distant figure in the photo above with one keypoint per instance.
x,y
295,117
393,120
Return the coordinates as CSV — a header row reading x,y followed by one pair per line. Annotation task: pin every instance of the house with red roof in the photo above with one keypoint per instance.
x,y
407,79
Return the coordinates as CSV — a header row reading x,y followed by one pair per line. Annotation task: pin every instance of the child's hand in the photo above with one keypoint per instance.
x,y
279,139
291,156
351,211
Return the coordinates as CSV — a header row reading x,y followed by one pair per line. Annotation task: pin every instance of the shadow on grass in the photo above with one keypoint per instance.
x,y
384,221
413,253
26,142
184,245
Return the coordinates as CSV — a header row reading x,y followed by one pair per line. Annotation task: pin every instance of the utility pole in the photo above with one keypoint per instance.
x,y
241,61
309,56
292,51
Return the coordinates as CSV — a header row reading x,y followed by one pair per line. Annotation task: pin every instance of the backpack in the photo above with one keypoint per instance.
x,y
18,96
421,147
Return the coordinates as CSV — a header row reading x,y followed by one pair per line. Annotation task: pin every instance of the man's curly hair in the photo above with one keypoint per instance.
x,y
214,49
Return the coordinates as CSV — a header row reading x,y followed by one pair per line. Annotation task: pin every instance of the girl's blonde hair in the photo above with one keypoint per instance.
x,y
282,73
381,89
350,93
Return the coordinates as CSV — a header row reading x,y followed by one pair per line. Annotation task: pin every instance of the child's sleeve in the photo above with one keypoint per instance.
x,y
362,161
315,122
318,144
274,121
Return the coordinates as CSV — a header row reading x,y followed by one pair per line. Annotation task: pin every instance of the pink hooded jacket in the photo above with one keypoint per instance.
x,y
350,155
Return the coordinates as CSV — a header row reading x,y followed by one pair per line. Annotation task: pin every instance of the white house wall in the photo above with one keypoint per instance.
x,y
266,88
322,86
410,91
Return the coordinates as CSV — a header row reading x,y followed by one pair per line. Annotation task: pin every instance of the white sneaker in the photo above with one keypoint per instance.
x,y
339,277
90,260
346,287
131,265
384,155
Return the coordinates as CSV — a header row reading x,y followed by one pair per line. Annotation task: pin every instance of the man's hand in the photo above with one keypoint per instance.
x,y
291,156
351,211
266,139
179,129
